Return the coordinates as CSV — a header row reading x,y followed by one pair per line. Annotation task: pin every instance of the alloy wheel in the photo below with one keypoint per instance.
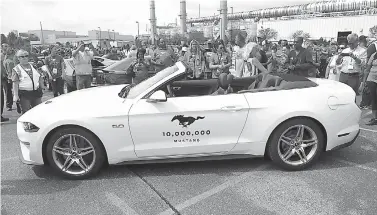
x,y
74,154
297,145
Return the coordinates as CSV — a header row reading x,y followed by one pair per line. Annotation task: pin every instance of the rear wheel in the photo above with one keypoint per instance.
x,y
296,144
75,153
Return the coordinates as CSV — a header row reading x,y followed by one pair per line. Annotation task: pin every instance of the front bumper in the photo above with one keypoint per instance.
x,y
30,151
25,154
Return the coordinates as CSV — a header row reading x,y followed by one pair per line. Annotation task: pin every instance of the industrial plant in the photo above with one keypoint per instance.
x,y
326,19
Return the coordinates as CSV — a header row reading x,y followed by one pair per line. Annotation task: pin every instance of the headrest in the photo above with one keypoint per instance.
x,y
225,80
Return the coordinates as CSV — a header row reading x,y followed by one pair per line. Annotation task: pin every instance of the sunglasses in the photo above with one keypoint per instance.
x,y
25,56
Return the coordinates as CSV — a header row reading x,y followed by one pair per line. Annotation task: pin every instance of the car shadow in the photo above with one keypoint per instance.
x,y
224,168
36,186
218,167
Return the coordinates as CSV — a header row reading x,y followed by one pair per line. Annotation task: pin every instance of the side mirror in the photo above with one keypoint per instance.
x,y
158,96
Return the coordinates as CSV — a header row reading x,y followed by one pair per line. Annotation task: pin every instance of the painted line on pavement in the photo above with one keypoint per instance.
x,y
360,166
368,148
120,204
370,130
366,114
213,191
9,159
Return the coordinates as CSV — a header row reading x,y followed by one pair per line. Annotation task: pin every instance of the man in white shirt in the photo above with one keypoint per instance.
x,y
350,62
82,58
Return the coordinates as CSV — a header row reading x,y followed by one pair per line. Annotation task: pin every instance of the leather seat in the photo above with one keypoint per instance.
x,y
265,81
224,81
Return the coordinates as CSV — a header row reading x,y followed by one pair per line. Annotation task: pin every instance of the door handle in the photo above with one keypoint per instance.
x,y
176,88
231,108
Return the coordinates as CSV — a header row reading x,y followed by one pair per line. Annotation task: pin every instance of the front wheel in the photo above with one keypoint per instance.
x,y
75,153
296,144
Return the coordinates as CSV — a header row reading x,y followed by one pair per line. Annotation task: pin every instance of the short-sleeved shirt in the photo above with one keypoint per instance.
x,y
219,59
83,63
54,64
349,65
372,48
373,71
302,57
8,66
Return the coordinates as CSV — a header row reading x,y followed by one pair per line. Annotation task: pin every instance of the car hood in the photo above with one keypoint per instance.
x,y
92,102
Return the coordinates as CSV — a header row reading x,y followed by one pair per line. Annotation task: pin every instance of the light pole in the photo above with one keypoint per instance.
x,y
100,45
138,31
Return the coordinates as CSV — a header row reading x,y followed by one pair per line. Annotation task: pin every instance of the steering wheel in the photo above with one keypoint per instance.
x,y
171,94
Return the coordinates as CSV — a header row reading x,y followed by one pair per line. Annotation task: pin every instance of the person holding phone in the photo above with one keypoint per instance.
x,y
82,58
350,62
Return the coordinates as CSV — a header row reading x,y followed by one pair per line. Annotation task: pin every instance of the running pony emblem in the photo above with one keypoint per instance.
x,y
186,121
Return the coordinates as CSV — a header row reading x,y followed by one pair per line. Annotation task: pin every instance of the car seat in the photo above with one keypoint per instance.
x,y
265,81
224,81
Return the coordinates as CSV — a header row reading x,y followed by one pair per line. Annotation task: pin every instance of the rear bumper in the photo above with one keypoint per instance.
x,y
346,144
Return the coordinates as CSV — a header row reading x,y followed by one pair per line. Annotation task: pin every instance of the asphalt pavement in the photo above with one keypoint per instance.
x,y
344,182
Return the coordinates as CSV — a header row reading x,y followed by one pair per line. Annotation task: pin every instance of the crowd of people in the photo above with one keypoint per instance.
x,y
353,63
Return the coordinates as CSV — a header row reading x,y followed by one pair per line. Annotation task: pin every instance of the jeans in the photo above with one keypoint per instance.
x,y
2,99
83,81
9,94
373,94
58,86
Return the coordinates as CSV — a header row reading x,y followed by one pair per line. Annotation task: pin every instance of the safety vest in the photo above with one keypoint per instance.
x,y
27,83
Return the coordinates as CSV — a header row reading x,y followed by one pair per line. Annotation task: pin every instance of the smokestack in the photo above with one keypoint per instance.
x,y
153,21
224,18
183,17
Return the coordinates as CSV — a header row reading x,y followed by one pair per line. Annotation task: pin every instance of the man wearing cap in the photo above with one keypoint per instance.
x,y
55,65
350,62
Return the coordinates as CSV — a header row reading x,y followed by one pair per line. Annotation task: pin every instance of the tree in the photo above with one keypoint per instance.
x,y
267,33
12,39
3,39
373,31
300,33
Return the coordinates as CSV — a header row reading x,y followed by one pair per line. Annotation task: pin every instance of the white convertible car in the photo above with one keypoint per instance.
x,y
169,117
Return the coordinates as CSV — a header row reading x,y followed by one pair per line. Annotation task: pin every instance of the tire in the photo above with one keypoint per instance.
x,y
93,161
278,148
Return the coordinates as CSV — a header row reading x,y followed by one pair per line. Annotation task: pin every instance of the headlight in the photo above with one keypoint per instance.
x,y
30,127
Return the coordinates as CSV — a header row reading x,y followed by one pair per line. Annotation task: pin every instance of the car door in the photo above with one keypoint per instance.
x,y
187,125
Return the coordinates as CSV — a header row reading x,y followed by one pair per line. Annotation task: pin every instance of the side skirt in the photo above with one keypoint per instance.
x,y
188,159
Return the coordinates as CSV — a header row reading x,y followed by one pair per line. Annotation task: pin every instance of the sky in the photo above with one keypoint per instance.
x,y
81,16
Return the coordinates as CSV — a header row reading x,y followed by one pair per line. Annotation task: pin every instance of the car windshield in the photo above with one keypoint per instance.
x,y
132,91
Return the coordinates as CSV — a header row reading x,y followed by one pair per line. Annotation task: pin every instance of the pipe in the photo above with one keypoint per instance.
x,y
153,21
183,17
328,6
224,20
